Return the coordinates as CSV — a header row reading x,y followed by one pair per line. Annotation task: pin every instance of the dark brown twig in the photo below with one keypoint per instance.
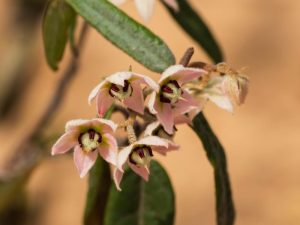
x,y
25,148
187,56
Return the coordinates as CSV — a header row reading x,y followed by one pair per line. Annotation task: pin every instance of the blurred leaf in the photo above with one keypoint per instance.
x,y
192,23
140,202
217,158
130,36
58,20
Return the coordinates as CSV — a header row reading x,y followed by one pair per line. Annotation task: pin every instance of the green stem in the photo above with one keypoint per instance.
x,y
216,155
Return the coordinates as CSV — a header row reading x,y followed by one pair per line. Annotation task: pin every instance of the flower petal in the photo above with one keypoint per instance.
x,y
164,150
181,119
145,8
109,149
136,100
184,105
123,156
151,102
107,125
153,141
84,161
141,171
165,116
119,78
151,83
150,128
236,87
75,125
173,4
222,101
95,91
117,176
104,101
181,74
65,142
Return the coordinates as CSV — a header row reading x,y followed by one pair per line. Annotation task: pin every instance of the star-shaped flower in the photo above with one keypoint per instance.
x,y
88,138
173,99
125,87
138,156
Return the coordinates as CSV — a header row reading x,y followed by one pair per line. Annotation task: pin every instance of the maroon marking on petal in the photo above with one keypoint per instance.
x,y
164,99
166,89
126,85
113,87
175,83
141,153
91,133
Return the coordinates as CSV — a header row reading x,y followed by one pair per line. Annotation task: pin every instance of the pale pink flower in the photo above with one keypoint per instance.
x,y
146,7
173,99
125,87
138,156
88,138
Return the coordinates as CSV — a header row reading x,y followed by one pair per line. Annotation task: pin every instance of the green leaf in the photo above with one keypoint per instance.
x,y
217,158
142,203
128,35
193,25
58,20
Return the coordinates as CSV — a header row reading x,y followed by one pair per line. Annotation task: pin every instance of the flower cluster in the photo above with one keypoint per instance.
x,y
180,93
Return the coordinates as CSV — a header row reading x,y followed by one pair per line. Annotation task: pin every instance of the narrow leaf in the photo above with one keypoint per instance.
x,y
140,202
128,35
58,19
193,25
217,158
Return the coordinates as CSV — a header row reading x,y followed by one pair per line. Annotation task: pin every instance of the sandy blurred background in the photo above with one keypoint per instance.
x,y
262,138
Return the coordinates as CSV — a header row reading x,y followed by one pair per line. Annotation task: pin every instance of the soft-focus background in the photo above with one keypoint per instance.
x,y
262,138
